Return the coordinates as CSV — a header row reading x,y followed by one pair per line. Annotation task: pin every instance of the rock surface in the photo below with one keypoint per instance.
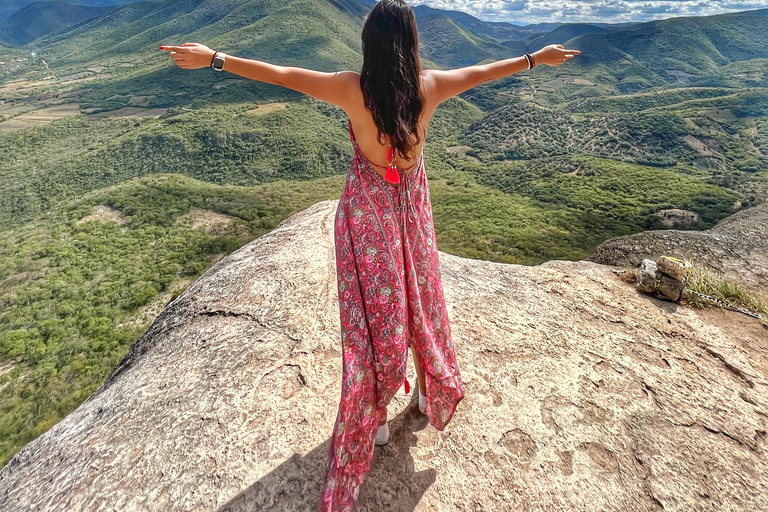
x,y
646,276
737,246
582,395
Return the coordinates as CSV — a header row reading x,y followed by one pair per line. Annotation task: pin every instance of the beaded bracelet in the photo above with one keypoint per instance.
x,y
531,60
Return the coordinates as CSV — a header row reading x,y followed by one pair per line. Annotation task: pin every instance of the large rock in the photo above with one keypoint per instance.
x,y
582,395
736,246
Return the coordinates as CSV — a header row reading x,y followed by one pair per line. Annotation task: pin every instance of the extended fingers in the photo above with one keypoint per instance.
x,y
178,54
569,54
182,48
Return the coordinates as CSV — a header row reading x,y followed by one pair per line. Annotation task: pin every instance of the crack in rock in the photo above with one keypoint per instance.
x,y
738,373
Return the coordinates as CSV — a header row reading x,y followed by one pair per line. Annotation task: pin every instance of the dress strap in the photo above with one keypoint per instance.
x,y
392,175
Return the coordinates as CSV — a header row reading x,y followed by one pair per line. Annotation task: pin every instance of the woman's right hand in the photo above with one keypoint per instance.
x,y
190,55
554,55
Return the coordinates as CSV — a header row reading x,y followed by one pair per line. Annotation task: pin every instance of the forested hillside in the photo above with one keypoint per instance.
x,y
124,177
43,18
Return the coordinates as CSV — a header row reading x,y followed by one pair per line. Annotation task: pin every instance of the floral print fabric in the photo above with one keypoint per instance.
x,y
390,296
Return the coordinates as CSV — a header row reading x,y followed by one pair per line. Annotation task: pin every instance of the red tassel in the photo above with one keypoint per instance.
x,y
407,387
392,176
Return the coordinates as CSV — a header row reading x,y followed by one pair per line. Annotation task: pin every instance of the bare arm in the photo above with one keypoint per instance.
x,y
333,88
451,82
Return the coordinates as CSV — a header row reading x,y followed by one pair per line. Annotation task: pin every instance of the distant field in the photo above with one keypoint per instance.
x,y
132,113
267,108
38,118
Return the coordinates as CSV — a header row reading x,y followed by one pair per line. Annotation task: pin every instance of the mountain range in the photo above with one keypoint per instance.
x,y
9,7
626,57
43,18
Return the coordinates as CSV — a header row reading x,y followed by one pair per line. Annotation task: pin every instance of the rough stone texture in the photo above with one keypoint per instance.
x,y
677,217
646,276
670,287
674,268
736,246
582,395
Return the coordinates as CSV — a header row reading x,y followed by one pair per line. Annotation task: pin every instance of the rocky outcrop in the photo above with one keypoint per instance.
x,y
677,217
737,246
582,395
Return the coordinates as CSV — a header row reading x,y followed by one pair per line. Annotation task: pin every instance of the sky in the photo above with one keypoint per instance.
x,y
605,11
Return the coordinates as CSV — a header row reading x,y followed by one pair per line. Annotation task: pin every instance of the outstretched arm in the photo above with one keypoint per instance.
x,y
333,88
451,82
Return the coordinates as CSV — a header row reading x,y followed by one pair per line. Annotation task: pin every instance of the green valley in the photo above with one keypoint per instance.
x,y
125,178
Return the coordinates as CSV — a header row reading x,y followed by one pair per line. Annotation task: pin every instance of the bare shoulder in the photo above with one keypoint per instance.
x,y
350,76
428,78
353,102
429,86
351,79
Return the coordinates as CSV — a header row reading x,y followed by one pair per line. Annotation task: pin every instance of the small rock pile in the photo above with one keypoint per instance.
x,y
665,278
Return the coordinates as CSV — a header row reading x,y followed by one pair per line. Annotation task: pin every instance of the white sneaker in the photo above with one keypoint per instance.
x,y
422,398
382,435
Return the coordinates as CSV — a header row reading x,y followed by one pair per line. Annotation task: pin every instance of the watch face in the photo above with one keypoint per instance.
x,y
218,63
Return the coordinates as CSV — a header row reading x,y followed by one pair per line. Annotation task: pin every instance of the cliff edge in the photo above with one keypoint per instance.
x,y
582,395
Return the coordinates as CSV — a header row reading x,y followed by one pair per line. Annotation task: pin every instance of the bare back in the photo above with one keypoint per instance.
x,y
365,129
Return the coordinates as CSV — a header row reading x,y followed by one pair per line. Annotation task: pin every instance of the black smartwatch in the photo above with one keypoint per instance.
x,y
217,62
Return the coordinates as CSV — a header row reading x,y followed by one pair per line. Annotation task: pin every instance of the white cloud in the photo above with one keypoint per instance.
x,y
514,6
604,11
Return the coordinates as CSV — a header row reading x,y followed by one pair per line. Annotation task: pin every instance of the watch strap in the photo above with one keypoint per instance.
x,y
219,57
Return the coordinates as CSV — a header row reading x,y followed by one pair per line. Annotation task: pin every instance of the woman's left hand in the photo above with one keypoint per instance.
x,y
190,55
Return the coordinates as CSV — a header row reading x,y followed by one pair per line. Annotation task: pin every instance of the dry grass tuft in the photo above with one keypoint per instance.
x,y
716,285
630,276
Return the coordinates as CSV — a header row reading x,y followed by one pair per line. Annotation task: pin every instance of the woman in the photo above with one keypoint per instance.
x,y
390,292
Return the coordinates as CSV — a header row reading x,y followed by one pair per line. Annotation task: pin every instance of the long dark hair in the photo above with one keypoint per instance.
x,y
390,78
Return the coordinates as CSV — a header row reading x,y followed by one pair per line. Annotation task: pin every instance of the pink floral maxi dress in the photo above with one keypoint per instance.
x,y
390,295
